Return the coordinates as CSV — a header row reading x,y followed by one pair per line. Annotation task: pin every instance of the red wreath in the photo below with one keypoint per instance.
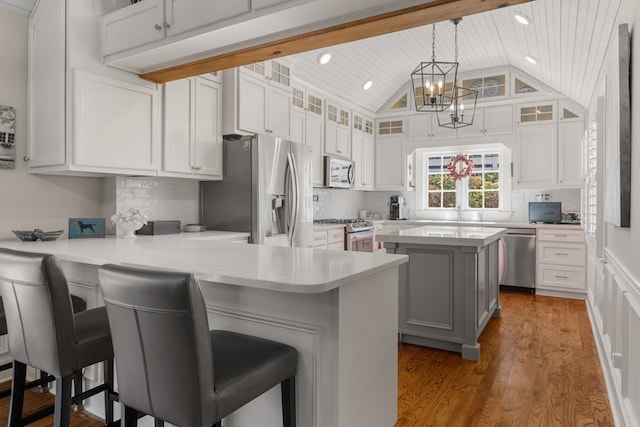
x,y
460,167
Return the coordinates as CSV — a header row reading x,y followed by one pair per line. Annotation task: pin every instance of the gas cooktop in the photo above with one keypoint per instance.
x,y
352,225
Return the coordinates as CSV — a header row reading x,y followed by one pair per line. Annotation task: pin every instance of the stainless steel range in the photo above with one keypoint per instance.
x,y
358,233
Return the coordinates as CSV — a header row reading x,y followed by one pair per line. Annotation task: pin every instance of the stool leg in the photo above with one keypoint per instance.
x,y
218,424
158,423
44,387
129,416
61,415
288,389
17,394
108,402
77,389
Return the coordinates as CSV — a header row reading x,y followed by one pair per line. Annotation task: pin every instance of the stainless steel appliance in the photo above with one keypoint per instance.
x,y
396,207
338,173
266,190
517,259
358,233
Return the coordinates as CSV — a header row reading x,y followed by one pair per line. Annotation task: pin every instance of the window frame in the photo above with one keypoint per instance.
x,y
462,188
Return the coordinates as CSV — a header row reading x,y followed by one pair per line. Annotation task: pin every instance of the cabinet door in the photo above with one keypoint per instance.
x,y
115,125
252,101
368,156
47,85
498,120
279,112
207,150
536,159
419,127
177,126
185,15
314,137
297,125
357,157
390,161
569,154
133,26
343,142
476,128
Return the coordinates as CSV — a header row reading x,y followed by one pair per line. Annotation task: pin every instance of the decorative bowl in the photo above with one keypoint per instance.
x,y
46,236
26,235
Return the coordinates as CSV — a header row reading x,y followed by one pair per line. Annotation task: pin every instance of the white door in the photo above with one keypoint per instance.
x,y
570,154
314,137
357,157
185,15
132,26
207,128
368,149
390,161
535,157
252,101
177,126
279,112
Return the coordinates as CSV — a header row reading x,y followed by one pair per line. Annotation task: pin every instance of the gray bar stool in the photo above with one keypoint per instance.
x,y
170,366
46,334
78,305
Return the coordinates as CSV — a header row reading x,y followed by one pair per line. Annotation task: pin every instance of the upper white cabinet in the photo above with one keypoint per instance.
x,y
548,153
490,121
391,154
153,20
307,126
258,99
423,126
337,133
192,129
362,151
88,120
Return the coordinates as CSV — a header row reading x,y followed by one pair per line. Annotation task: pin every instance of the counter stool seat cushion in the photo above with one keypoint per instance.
x,y
92,336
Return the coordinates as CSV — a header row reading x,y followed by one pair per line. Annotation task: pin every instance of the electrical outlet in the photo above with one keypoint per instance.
x,y
517,197
316,197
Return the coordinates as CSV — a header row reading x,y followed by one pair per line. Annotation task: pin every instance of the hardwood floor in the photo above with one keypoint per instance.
x,y
538,367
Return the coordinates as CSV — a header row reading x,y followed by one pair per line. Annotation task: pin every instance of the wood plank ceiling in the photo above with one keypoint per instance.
x,y
568,38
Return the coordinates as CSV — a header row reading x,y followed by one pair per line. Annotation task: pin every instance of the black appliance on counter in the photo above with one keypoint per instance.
x,y
396,207
545,212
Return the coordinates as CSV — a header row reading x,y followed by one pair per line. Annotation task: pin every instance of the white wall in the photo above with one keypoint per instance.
x,y
34,201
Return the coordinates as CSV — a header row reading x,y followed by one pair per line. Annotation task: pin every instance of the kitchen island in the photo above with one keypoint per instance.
x,y
449,288
338,309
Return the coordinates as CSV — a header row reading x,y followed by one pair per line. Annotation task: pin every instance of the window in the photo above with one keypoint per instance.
x,y
537,113
390,127
344,118
486,189
332,113
315,104
297,97
441,187
368,126
280,73
358,122
483,189
257,67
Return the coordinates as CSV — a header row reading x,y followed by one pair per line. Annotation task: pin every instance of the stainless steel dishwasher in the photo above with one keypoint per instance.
x,y
518,260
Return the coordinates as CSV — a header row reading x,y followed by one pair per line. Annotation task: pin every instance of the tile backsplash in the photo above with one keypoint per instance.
x,y
159,198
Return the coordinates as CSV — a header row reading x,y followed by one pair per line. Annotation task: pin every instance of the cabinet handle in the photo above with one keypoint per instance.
x,y
560,253
167,25
157,27
26,158
561,277
560,235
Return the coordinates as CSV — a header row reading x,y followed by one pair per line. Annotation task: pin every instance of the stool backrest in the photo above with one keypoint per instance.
x,y
161,343
38,311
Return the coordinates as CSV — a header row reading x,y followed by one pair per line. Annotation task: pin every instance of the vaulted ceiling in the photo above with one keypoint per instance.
x,y
567,37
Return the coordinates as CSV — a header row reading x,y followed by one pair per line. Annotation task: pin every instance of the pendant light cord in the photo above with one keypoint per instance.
x,y
433,43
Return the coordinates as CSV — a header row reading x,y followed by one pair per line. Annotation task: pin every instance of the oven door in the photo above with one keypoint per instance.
x,y
361,241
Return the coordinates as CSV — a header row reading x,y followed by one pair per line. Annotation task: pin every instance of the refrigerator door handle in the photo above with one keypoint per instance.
x,y
502,262
294,198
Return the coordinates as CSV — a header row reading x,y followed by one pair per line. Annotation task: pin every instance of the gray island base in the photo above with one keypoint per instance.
x,y
448,291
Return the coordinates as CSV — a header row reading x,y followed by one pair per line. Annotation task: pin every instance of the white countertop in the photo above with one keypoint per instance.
x,y
502,224
444,235
299,270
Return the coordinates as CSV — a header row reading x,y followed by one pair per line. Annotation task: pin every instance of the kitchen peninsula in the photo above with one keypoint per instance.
x,y
339,310
449,289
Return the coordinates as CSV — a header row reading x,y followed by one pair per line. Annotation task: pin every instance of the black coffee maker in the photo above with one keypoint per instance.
x,y
396,207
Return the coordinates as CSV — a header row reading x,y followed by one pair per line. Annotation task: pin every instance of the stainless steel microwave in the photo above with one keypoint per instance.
x,y
338,173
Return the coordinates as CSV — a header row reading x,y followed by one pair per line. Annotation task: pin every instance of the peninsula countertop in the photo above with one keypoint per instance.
x,y
443,235
297,270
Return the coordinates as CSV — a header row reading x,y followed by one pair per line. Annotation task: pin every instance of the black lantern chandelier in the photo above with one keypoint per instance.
x,y
433,82
459,115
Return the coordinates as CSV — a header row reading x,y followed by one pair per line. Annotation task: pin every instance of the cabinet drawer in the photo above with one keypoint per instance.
x,y
336,246
568,236
554,277
336,236
320,239
561,253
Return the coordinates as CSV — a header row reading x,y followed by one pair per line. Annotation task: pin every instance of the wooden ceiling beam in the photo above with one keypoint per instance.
x,y
424,14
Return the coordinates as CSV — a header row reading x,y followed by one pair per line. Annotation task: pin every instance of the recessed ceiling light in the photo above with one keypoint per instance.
x,y
521,18
531,59
367,85
324,58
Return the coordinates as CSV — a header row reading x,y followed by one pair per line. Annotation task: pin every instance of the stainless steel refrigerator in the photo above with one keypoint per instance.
x,y
266,190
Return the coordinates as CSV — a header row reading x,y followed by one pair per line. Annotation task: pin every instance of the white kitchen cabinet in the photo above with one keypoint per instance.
x,y
335,239
390,161
425,126
307,127
363,151
319,239
256,104
536,156
560,259
83,117
490,121
337,132
153,20
192,129
570,135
